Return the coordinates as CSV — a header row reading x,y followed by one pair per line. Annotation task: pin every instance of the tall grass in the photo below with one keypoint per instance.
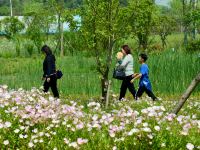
x,y
170,73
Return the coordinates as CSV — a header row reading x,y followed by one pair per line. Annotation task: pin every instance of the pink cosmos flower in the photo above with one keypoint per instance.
x,y
81,141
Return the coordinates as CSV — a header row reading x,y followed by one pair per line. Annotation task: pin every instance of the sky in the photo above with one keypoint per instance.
x,y
162,2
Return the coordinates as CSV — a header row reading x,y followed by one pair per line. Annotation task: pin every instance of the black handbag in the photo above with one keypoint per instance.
x,y
59,74
119,74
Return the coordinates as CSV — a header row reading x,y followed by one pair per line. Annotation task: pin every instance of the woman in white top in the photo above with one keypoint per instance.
x,y
127,65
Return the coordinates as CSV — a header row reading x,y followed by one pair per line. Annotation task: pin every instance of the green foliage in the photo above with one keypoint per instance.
x,y
38,22
193,45
74,43
165,26
170,73
73,3
192,18
141,20
12,26
19,5
29,46
176,10
4,10
103,24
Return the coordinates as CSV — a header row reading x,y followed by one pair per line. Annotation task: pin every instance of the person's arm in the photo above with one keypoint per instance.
x,y
124,63
48,69
134,75
49,66
44,70
137,76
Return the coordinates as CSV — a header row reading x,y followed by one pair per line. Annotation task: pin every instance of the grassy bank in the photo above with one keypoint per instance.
x,y
170,73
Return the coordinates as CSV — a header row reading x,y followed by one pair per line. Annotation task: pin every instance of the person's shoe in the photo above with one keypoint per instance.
x,y
122,99
155,99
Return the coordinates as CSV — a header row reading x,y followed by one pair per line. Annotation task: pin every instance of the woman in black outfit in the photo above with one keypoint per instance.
x,y
49,69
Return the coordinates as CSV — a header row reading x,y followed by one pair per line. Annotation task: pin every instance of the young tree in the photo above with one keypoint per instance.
x,y
165,25
103,23
141,20
38,18
63,15
186,13
12,26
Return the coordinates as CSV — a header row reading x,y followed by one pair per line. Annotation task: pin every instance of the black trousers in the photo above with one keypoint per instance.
x,y
127,84
53,85
143,89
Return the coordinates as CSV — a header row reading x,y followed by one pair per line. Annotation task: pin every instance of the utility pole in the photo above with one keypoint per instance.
x,y
11,11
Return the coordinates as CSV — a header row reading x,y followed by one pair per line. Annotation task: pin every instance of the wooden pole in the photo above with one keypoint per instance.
x,y
107,95
187,94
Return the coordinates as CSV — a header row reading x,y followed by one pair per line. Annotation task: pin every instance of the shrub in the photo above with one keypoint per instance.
x,y
29,46
193,45
155,47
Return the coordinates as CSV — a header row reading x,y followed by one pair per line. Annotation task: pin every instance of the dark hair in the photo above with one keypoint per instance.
x,y
144,56
46,49
126,49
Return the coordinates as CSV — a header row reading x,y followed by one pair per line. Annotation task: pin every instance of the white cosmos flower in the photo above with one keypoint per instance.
x,y
144,111
22,128
157,128
163,145
112,134
7,124
6,142
147,129
41,134
190,146
73,144
66,141
4,86
35,141
35,130
41,140
1,125
47,134
30,145
150,136
134,130
184,132
16,130
145,124
21,136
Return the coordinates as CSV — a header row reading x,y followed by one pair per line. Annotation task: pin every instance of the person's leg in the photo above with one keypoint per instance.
x,y
123,89
150,94
140,92
131,87
46,86
53,83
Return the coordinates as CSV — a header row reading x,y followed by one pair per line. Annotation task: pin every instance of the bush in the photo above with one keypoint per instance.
x,y
155,47
29,46
193,45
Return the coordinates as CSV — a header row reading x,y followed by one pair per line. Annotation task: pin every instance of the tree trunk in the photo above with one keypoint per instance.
x,y
187,93
185,24
194,22
104,87
163,39
107,95
61,40
143,40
